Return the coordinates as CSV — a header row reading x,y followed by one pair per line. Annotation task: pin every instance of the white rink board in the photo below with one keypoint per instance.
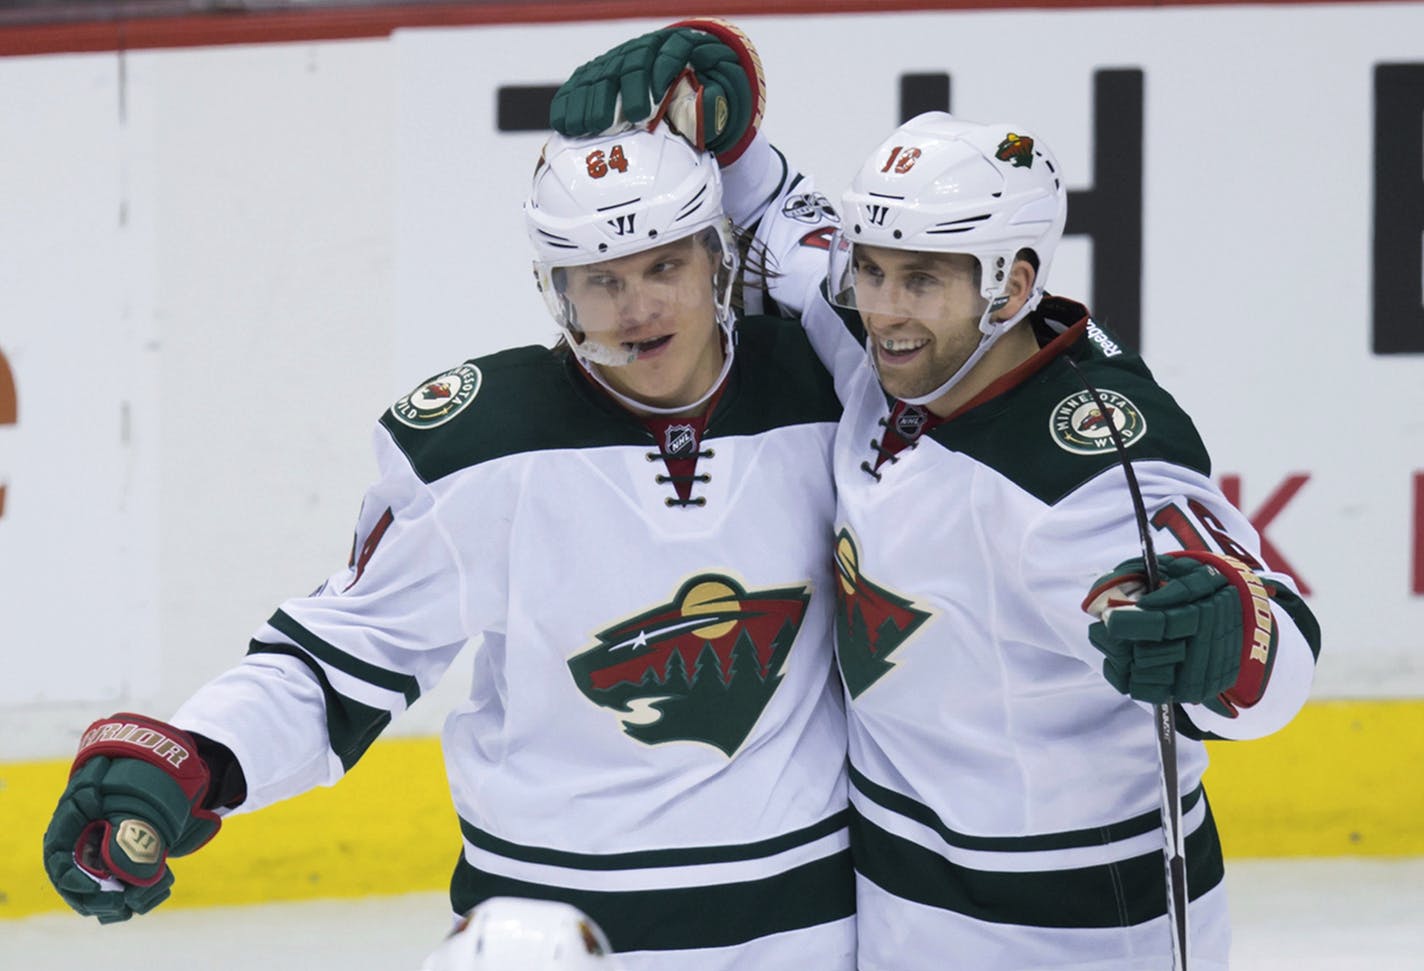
x,y
223,262
1256,297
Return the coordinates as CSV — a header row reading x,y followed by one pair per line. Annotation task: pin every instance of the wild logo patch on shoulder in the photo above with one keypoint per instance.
x,y
436,401
1078,425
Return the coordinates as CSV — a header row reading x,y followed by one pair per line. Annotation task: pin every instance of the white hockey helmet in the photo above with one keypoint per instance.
x,y
609,196
944,185
515,934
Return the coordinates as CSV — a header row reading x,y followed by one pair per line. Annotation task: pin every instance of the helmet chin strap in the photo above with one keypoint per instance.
x,y
990,330
725,321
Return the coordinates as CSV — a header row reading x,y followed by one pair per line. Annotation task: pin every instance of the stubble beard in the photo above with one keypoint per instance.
x,y
929,373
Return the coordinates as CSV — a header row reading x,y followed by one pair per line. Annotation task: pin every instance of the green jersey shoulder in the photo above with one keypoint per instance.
x,y
529,399
519,400
1054,431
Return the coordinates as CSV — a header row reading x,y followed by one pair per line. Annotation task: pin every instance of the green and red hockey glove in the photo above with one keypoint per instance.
x,y
134,798
704,76
1205,636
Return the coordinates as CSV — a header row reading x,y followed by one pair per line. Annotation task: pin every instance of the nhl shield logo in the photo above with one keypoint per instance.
x,y
1079,425
910,422
679,441
436,401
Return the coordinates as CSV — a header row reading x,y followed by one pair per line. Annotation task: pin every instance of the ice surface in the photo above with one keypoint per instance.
x,y
1300,915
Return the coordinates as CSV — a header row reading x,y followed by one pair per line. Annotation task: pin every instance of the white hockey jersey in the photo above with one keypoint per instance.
x,y
1004,796
654,731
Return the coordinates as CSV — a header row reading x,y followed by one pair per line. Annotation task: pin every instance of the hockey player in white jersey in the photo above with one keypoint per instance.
x,y
636,527
1004,772
1003,761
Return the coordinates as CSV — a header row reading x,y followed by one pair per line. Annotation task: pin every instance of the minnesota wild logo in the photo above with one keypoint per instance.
x,y
1017,150
1078,423
871,622
436,401
700,668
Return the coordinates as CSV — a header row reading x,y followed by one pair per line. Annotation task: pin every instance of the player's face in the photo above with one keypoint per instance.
x,y
659,304
922,312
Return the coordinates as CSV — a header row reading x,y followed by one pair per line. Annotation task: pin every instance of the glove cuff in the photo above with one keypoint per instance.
x,y
1120,588
128,736
733,36
1258,625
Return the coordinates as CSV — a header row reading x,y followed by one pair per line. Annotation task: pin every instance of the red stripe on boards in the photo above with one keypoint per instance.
x,y
224,27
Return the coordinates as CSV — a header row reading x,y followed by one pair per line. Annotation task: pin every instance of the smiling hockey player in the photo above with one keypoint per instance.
x,y
1004,774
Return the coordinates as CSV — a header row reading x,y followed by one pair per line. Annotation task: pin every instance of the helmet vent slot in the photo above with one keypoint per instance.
x,y
562,242
693,204
958,225
616,205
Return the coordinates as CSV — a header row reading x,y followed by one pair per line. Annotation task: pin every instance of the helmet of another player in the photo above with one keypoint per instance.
x,y
942,186
632,249
514,934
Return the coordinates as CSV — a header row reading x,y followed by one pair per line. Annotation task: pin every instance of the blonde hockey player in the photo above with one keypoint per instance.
x,y
1001,686
636,525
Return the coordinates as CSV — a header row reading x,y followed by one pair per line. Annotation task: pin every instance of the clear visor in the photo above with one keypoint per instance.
x,y
914,285
613,310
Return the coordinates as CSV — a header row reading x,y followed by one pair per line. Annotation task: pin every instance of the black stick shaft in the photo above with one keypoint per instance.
x,y
1166,714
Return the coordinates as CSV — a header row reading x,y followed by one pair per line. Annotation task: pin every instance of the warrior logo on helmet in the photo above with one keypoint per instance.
x,y
1017,150
700,668
871,622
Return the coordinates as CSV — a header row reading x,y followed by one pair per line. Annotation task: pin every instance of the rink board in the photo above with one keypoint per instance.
x,y
1341,780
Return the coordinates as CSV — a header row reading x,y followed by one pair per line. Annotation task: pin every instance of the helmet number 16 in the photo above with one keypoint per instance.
x,y
598,166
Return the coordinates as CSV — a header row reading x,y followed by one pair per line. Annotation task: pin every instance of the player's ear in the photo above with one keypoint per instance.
x,y
1018,287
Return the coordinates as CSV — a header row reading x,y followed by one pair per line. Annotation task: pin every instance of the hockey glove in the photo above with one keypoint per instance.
x,y
704,75
1205,636
134,798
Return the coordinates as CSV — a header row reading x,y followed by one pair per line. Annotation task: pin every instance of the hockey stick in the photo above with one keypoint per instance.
x,y
1166,716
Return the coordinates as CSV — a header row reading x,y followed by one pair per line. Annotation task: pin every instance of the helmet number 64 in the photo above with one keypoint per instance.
x,y
598,166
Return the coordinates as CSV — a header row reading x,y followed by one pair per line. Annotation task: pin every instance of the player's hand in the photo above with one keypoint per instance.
x,y
1205,636
700,80
134,798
